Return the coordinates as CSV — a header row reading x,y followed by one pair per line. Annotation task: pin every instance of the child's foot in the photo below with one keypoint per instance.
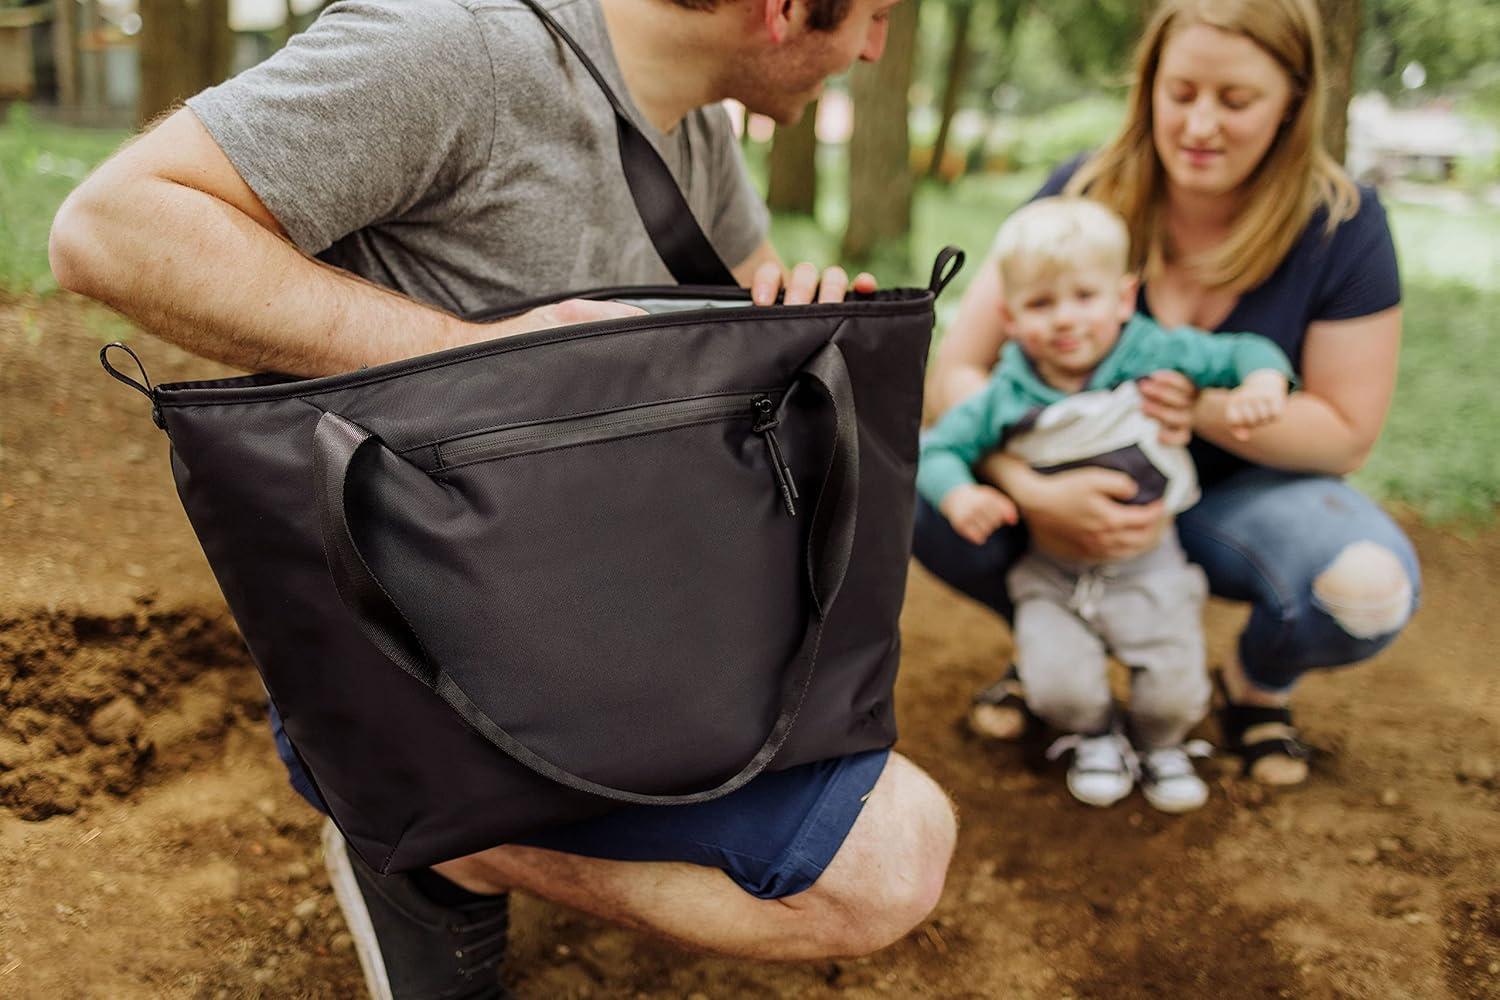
x,y
1169,780
1103,769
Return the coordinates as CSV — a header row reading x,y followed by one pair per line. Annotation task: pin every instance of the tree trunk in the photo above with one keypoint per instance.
x,y
880,176
185,46
90,61
958,68
65,52
794,165
1341,23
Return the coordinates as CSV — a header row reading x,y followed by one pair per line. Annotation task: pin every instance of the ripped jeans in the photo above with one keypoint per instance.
x,y
1262,536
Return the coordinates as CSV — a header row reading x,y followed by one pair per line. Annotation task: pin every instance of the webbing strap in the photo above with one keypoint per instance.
x,y
675,233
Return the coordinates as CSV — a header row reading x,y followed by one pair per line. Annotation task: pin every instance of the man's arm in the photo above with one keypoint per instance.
x,y
168,233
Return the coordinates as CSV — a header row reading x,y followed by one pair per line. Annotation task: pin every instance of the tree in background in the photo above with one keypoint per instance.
x,y
1341,24
185,46
794,165
1097,36
961,17
880,175
1456,42
999,54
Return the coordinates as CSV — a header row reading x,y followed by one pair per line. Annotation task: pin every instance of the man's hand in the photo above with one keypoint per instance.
x,y
803,286
1168,397
976,511
1259,400
568,312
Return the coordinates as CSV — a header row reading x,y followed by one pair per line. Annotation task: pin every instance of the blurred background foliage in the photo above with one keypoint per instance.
x,y
974,102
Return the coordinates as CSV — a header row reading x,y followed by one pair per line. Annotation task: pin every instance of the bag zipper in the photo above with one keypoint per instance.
x,y
509,442
767,419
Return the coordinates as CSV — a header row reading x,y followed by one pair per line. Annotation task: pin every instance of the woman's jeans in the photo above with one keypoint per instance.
x,y
1261,536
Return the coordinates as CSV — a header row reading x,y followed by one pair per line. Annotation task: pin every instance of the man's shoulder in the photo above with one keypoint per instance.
x,y
432,25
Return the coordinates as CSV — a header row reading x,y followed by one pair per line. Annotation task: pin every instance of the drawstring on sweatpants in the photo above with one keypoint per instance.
x,y
1087,593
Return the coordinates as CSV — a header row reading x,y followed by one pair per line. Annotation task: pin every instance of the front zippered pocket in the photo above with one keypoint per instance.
x,y
761,408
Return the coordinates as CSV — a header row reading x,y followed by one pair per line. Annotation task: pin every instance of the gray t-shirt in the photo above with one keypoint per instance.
x,y
456,151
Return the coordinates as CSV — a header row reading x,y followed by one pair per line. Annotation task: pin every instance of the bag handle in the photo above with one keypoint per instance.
x,y
337,446
674,231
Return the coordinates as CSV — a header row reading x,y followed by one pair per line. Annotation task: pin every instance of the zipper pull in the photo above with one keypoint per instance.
x,y
783,474
765,424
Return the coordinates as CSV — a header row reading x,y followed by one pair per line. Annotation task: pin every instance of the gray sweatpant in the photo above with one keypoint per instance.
x,y
1147,611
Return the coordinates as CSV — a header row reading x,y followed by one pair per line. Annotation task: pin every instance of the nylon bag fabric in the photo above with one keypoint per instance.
x,y
518,583
580,537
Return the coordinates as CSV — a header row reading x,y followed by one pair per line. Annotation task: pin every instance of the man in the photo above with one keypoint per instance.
x,y
438,156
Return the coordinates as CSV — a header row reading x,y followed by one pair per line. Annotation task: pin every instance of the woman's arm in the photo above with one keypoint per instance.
x,y
971,345
1348,378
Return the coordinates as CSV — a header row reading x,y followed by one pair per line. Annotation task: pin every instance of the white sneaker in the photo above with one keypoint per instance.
x,y
1169,780
1103,769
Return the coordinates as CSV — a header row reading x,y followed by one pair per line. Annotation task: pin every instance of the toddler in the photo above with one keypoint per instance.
x,y
1063,396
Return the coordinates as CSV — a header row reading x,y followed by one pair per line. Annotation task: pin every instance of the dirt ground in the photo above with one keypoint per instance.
x,y
149,845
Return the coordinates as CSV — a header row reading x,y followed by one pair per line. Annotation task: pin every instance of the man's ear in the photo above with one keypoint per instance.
x,y
1129,285
779,18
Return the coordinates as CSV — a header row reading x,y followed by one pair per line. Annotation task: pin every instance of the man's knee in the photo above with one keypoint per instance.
x,y
890,871
1365,590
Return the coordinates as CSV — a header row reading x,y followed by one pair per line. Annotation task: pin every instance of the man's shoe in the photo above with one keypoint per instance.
x,y
1103,768
1168,779
411,947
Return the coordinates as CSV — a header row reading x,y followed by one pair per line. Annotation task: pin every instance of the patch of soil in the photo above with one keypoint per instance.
x,y
150,847
90,701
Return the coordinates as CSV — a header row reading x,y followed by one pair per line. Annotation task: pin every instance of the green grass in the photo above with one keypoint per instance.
x,y
1441,448
39,165
1440,451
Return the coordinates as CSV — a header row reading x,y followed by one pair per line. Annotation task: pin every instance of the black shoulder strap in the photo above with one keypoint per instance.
x,y
678,239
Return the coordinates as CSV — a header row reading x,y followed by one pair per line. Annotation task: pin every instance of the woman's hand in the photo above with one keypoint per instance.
x,y
1168,398
1081,514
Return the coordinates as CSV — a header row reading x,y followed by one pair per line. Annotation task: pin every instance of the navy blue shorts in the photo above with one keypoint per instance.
x,y
774,836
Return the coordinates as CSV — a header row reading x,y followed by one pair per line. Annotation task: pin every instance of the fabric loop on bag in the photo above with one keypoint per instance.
x,y
950,260
145,390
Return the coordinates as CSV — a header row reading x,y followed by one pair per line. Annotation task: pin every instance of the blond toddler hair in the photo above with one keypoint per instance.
x,y
1058,234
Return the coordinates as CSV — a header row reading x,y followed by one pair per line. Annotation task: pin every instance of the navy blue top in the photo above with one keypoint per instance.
x,y
1350,273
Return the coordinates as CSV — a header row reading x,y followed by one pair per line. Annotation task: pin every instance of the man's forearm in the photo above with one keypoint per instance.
x,y
194,270
1309,436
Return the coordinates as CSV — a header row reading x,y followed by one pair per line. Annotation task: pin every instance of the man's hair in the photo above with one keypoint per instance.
x,y
822,15
1055,235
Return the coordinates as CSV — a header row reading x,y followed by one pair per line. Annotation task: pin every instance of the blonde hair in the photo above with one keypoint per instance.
x,y
1056,235
1294,179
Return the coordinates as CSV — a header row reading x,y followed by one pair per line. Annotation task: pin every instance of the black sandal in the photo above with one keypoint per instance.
x,y
1280,738
1008,693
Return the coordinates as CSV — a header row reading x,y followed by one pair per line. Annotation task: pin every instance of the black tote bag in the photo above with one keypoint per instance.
x,y
521,582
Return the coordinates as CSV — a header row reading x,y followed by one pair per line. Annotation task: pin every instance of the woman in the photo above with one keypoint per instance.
x,y
1239,220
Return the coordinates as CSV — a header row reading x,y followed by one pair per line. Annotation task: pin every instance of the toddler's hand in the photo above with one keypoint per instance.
x,y
976,510
1258,401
